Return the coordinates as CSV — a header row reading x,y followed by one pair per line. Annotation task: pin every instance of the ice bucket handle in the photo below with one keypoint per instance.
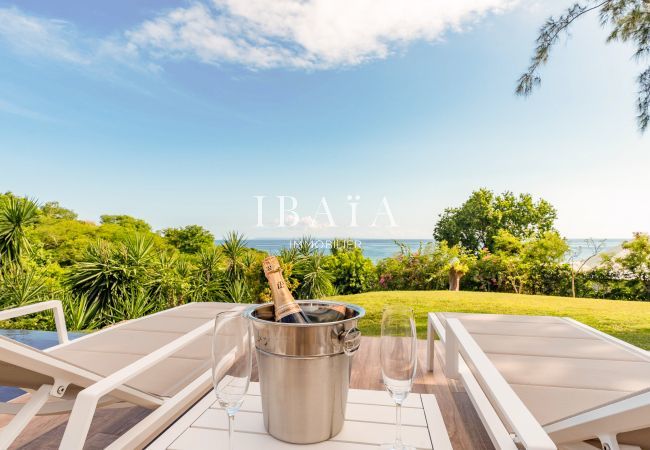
x,y
351,340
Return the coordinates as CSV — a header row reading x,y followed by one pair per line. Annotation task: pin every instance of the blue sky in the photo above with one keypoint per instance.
x,y
182,112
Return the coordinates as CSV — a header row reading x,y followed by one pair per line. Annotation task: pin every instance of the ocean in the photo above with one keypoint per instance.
x,y
377,249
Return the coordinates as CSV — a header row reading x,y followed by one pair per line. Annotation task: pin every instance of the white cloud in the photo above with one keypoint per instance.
x,y
259,34
59,40
304,222
302,33
43,37
310,222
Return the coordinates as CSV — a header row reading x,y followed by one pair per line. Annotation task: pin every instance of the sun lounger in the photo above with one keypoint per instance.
x,y
160,362
547,381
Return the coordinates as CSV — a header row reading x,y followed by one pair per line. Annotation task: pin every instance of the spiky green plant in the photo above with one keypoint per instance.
x,y
136,251
96,275
289,256
208,266
170,280
108,270
305,246
207,280
315,280
16,215
234,249
81,313
236,292
130,304
20,286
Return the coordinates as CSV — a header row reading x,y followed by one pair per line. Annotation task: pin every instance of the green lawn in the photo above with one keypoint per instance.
x,y
626,320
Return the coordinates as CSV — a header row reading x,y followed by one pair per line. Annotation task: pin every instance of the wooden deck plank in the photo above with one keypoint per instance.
x,y
464,426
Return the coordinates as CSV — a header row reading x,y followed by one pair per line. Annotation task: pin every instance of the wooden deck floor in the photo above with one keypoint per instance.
x,y
463,425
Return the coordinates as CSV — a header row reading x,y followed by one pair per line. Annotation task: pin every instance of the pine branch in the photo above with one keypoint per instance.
x,y
549,34
643,105
630,20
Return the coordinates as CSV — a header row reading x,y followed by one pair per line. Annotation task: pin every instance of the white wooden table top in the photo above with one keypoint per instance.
x,y
370,420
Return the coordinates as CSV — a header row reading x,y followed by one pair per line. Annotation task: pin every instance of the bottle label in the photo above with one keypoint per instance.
x,y
286,309
271,265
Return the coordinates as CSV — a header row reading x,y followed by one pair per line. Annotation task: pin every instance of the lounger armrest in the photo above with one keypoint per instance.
x,y
54,305
458,342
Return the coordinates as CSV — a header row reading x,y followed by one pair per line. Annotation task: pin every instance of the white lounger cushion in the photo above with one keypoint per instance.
x,y
107,351
557,368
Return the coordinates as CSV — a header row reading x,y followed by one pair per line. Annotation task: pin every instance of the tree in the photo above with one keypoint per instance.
x,y
458,263
16,215
65,240
629,21
137,225
576,266
190,239
518,261
477,221
55,211
635,265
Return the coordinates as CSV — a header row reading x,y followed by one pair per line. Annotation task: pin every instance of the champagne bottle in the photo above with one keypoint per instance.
x,y
286,308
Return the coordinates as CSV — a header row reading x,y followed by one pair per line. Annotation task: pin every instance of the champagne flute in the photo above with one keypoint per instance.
x,y
398,362
232,360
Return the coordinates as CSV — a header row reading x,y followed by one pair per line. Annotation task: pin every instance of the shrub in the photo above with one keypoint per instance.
x,y
352,273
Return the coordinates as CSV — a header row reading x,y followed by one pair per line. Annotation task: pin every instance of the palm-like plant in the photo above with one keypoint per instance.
x,y
107,271
236,292
209,264
16,214
170,279
305,246
315,280
289,256
233,249
289,259
96,275
208,276
80,313
20,286
136,251
130,304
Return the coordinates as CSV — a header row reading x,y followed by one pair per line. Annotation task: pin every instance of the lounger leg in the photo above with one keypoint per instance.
x,y
11,431
430,344
609,442
79,422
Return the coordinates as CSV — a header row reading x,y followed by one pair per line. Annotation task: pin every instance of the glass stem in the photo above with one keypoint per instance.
x,y
398,425
231,431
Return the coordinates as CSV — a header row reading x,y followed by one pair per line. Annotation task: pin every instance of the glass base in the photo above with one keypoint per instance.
x,y
393,446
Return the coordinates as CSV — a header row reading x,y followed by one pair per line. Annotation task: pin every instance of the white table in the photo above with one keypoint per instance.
x,y
370,420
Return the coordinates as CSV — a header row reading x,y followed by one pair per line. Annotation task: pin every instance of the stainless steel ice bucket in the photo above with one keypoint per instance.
x,y
304,370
